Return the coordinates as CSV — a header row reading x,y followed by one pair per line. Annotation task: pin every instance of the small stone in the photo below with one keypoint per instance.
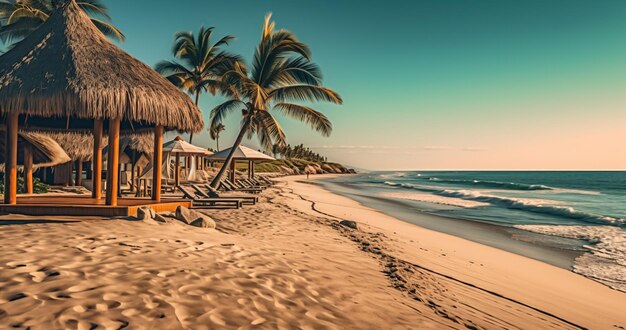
x,y
159,218
194,218
145,213
204,222
349,224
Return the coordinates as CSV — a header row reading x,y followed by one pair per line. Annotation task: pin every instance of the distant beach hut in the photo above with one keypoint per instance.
x,y
242,153
179,147
79,147
67,76
34,151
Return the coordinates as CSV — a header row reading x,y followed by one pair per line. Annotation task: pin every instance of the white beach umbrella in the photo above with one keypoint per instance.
x,y
242,153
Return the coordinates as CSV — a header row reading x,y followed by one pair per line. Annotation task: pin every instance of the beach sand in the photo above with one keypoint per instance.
x,y
283,263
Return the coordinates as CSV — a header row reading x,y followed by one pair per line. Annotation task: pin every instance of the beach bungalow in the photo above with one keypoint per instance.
x,y
35,151
242,153
67,76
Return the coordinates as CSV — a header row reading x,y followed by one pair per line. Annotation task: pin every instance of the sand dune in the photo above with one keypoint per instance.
x,y
278,264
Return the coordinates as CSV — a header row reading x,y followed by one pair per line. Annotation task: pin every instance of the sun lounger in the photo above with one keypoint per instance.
x,y
229,186
205,191
214,203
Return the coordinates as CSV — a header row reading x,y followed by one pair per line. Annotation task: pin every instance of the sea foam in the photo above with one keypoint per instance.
x,y
435,199
605,259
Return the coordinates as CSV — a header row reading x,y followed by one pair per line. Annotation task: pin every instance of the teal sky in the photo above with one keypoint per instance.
x,y
438,84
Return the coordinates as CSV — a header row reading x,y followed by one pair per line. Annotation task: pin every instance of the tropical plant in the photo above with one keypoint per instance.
x,y
200,64
299,152
214,132
282,72
18,18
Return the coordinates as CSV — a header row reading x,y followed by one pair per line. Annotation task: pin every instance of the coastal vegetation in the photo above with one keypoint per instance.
x,y
214,133
281,73
200,64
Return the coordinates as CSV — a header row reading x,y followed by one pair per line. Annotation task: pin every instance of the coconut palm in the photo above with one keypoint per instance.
x,y
200,64
214,132
281,73
18,18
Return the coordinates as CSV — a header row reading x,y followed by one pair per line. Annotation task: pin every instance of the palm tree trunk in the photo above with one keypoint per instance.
x,y
197,99
218,178
217,142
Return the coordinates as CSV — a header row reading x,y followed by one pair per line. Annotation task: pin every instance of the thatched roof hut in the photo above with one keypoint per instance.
x,y
45,151
67,73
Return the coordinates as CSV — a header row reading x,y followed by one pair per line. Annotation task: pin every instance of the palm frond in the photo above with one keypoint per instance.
x,y
269,130
94,7
219,112
108,29
317,120
304,93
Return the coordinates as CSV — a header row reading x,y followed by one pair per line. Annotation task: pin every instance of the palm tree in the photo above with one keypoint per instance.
x,y
201,64
18,18
281,72
214,132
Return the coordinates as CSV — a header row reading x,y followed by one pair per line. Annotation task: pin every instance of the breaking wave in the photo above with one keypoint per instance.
x,y
492,184
535,205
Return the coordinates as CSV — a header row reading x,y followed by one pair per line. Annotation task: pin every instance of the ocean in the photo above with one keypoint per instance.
x,y
571,219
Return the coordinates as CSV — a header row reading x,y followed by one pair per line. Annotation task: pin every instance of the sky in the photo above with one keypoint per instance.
x,y
437,84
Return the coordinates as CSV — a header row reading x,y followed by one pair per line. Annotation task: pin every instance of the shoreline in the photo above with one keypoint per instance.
x,y
481,232
550,288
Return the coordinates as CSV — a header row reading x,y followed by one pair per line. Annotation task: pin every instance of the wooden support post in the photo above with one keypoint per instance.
x,y
28,168
252,162
232,170
96,166
10,172
79,173
249,169
132,171
113,162
68,173
157,163
177,170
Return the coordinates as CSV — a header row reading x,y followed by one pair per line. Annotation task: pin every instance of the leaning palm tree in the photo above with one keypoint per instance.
x,y
214,132
200,64
18,18
281,73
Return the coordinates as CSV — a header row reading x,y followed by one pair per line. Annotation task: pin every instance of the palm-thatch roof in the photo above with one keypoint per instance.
x,y
46,152
67,73
77,145
242,152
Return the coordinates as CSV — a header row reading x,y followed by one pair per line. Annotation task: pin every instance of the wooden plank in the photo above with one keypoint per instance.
x,y
113,162
96,167
10,173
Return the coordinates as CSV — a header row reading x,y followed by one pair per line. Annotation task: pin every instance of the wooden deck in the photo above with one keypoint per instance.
x,y
87,206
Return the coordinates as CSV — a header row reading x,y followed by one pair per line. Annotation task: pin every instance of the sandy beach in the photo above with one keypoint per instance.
x,y
284,263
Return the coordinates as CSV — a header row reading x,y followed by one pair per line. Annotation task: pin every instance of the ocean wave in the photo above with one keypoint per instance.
x,y
534,205
492,184
605,260
436,199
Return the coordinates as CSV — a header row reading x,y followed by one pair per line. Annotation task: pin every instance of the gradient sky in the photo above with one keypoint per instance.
x,y
438,84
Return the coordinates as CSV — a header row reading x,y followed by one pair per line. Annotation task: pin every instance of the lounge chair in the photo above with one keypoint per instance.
x,y
207,191
229,186
264,179
213,203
